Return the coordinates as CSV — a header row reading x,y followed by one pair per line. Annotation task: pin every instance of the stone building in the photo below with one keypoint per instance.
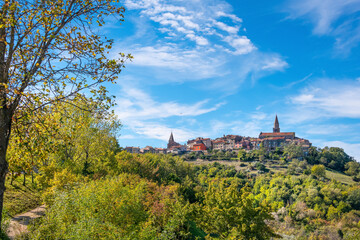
x,y
172,143
133,149
278,139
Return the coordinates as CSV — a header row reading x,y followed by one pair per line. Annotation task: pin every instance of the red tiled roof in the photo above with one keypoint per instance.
x,y
274,138
255,139
278,134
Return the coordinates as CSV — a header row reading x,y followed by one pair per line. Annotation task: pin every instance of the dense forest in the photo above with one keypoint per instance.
x,y
94,190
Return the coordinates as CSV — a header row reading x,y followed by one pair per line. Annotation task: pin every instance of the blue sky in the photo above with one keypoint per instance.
x,y
212,67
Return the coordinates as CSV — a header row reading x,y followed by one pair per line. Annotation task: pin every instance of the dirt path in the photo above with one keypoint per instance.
x,y
18,225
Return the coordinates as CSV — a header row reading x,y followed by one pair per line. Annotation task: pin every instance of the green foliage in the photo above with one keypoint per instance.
x,y
318,171
228,213
333,157
150,196
292,151
125,207
163,169
261,167
95,191
354,198
352,168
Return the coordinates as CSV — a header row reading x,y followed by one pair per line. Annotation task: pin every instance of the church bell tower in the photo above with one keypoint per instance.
x,y
276,128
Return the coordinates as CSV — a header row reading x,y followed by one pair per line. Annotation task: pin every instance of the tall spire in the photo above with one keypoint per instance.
x,y
171,139
276,125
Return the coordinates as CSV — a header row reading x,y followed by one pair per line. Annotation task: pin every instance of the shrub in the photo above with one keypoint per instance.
x,y
318,171
125,207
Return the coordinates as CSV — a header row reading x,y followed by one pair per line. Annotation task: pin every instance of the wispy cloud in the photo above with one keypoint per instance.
x,y
250,125
144,116
154,130
331,98
187,62
249,69
339,19
291,84
135,104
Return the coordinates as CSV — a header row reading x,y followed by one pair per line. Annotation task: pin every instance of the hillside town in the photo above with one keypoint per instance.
x,y
268,140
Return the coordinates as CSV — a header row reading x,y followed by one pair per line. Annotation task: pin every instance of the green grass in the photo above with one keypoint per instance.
x,y
340,177
19,198
276,168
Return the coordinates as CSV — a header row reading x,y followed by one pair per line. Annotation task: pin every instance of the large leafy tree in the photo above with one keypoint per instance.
x,y
50,51
228,213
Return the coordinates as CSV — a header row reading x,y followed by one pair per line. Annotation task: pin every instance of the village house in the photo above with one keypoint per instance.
x,y
132,149
219,144
147,149
206,141
227,142
198,147
160,150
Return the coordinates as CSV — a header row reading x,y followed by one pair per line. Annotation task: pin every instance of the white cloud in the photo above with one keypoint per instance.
x,y
203,40
145,116
194,20
161,131
128,136
249,68
227,28
275,63
198,39
251,125
331,98
241,44
231,16
137,105
331,17
191,63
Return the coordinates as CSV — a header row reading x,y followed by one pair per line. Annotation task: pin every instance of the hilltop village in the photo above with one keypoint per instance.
x,y
268,140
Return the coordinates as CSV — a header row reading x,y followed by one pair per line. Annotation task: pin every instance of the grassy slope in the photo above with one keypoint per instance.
x,y
331,174
339,177
19,198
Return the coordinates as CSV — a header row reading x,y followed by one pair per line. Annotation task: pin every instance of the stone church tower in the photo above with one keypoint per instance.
x,y
172,142
276,128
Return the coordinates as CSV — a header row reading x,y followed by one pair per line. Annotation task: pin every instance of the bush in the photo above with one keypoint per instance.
x,y
318,171
126,207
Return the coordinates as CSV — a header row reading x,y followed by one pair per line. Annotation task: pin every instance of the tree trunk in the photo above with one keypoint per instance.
x,y
24,181
5,129
3,170
32,176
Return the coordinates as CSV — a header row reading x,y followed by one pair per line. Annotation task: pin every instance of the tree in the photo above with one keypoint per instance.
x,y
87,139
293,151
49,52
353,168
241,154
228,213
354,199
318,171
